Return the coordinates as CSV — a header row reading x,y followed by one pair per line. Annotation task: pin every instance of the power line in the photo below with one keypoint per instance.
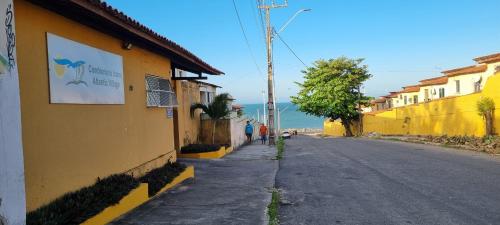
x,y
258,21
261,17
246,38
291,50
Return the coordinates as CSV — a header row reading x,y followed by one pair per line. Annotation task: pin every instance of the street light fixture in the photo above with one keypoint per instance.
x,y
270,80
273,33
291,19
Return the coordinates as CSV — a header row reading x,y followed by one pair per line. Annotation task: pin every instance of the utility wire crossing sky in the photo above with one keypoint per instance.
x,y
402,42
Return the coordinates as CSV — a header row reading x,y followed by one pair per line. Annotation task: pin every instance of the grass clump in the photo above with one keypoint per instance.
x,y
159,177
272,208
76,207
280,145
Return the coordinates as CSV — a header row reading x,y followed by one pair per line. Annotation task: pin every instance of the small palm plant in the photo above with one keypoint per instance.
x,y
216,110
485,107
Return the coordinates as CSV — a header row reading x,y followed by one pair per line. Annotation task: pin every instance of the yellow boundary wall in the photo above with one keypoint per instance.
x,y
449,116
134,199
207,155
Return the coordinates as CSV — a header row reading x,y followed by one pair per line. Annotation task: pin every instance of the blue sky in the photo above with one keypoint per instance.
x,y
402,41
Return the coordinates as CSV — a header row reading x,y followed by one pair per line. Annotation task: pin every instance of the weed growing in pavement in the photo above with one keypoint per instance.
x,y
272,208
280,145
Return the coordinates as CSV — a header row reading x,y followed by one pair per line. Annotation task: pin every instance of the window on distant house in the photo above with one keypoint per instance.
x,y
477,85
441,93
406,99
415,99
457,86
400,96
159,92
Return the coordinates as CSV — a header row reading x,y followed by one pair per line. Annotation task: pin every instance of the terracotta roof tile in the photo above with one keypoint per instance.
x,y
379,100
434,81
392,94
465,70
408,89
488,58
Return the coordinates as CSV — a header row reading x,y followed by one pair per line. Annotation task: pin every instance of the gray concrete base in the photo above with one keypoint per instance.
x,y
232,190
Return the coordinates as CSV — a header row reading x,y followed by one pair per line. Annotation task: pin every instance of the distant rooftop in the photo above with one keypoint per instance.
x,y
434,81
488,58
465,70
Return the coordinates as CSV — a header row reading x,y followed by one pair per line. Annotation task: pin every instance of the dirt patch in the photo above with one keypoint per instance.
x,y
488,144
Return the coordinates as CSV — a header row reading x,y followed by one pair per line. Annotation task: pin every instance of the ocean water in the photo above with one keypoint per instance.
x,y
290,116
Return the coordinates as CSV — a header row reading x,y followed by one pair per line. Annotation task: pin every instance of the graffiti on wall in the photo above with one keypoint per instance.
x,y
11,36
8,59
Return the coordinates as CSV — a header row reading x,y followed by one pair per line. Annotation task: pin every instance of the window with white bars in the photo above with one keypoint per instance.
x,y
159,92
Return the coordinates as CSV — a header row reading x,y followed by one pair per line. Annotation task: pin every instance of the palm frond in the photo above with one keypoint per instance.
x,y
217,109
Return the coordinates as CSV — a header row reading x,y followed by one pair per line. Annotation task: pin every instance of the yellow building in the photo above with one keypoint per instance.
x,y
455,115
190,126
98,95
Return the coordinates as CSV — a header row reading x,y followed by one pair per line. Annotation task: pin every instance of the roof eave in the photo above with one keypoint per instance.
x,y
98,15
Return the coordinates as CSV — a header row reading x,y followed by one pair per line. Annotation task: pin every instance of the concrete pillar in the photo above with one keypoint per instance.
x,y
12,192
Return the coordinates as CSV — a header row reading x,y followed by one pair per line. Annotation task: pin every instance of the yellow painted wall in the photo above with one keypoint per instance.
x,y
449,116
67,146
189,93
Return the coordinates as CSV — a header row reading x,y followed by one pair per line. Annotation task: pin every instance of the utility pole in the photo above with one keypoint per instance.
x,y
270,79
264,108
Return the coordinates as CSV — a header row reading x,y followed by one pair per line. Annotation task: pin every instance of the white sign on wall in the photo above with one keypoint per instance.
x,y
12,193
82,74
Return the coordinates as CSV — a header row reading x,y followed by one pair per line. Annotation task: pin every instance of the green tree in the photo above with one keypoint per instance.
x,y
331,89
216,110
485,107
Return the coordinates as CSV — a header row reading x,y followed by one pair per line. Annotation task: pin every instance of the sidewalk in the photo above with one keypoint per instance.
x,y
232,190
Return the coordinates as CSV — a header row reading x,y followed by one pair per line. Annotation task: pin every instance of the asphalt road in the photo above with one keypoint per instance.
x,y
359,181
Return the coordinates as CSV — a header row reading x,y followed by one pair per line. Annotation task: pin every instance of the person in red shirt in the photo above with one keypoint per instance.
x,y
263,133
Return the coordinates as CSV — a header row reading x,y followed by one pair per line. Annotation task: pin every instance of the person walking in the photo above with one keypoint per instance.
x,y
249,132
263,133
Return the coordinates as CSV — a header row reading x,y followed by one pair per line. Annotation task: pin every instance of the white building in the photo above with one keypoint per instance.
x,y
207,92
466,80
433,88
471,79
408,96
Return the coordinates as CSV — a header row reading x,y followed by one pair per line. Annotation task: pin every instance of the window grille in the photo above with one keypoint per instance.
x,y
159,92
